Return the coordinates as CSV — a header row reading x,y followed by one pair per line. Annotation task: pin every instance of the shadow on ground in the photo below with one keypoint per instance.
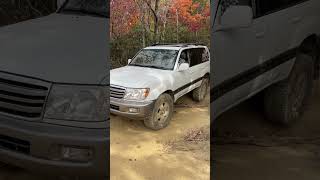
x,y
247,146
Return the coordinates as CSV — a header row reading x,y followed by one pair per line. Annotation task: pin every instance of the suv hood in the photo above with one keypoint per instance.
x,y
138,77
60,48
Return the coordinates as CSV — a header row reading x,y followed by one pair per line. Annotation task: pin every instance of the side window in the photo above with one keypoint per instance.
x,y
205,56
184,57
198,56
268,6
225,4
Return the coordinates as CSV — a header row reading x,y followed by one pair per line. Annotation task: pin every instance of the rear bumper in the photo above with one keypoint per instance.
x,y
121,107
44,142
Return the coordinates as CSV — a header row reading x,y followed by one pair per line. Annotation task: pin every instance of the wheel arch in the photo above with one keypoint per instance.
x,y
305,36
170,92
311,46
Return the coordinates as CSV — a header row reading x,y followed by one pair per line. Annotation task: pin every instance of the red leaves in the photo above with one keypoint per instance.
x,y
124,16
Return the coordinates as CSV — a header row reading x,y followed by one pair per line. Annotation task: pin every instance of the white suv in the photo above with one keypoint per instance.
x,y
155,78
270,45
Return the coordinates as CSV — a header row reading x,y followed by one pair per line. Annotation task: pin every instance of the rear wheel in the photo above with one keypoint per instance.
x,y
200,93
161,114
284,102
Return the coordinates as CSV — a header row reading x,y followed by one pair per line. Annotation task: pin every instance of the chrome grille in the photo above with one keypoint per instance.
x,y
117,92
22,97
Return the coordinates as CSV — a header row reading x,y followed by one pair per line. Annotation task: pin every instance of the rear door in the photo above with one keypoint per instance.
x,y
282,18
199,63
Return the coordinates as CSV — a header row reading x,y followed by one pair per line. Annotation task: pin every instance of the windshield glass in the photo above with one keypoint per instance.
x,y
87,7
155,58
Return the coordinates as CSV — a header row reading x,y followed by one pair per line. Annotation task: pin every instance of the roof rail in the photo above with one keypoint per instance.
x,y
178,44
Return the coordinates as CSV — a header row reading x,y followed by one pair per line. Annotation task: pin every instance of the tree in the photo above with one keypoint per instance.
x,y
191,13
153,6
139,23
124,16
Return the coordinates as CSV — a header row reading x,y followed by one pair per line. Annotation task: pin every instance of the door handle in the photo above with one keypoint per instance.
x,y
295,20
260,34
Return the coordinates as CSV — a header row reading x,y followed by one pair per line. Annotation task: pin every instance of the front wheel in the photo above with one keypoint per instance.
x,y
161,114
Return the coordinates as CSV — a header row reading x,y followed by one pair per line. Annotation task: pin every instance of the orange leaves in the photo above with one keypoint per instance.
x,y
191,12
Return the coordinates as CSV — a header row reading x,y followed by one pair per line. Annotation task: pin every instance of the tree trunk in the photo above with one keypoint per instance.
x,y
177,16
154,12
156,22
144,36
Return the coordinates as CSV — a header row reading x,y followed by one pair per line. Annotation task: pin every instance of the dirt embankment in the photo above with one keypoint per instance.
x,y
180,151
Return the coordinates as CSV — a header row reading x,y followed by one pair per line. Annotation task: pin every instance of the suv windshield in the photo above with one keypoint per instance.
x,y
155,58
86,7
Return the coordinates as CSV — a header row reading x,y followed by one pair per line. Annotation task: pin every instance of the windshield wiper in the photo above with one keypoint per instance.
x,y
136,65
157,67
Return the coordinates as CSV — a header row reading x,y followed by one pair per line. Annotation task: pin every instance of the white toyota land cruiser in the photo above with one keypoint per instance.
x,y
269,46
155,78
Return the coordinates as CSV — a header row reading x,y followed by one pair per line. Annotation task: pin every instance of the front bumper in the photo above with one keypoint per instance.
x,y
121,107
33,146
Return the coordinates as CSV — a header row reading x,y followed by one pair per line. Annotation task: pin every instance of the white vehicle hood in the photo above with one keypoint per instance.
x,y
60,48
139,77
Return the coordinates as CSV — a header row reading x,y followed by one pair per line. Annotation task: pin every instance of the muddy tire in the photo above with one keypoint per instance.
x,y
284,102
200,93
161,114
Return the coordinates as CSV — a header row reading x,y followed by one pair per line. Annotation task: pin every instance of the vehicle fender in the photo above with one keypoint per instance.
x,y
310,26
157,89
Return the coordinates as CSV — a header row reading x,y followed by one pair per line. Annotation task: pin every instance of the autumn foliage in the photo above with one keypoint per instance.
x,y
135,24
125,14
191,13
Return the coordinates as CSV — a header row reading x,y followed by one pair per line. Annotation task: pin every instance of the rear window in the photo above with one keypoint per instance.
x,y
265,7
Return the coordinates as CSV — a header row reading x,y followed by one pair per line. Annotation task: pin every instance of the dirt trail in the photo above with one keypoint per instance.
x,y
142,154
249,147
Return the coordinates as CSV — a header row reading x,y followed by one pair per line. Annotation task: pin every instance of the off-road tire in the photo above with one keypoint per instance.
x,y
284,102
154,122
200,92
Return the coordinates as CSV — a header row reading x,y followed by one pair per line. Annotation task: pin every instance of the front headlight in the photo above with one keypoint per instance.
x,y
136,94
77,103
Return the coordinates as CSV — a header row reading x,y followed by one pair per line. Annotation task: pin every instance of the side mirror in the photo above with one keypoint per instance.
x,y
183,67
60,3
129,61
236,17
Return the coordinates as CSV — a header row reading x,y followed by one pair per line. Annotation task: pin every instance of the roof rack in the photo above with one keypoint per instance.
x,y
178,44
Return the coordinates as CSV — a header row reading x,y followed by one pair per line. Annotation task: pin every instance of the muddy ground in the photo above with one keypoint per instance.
x,y
179,152
246,146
